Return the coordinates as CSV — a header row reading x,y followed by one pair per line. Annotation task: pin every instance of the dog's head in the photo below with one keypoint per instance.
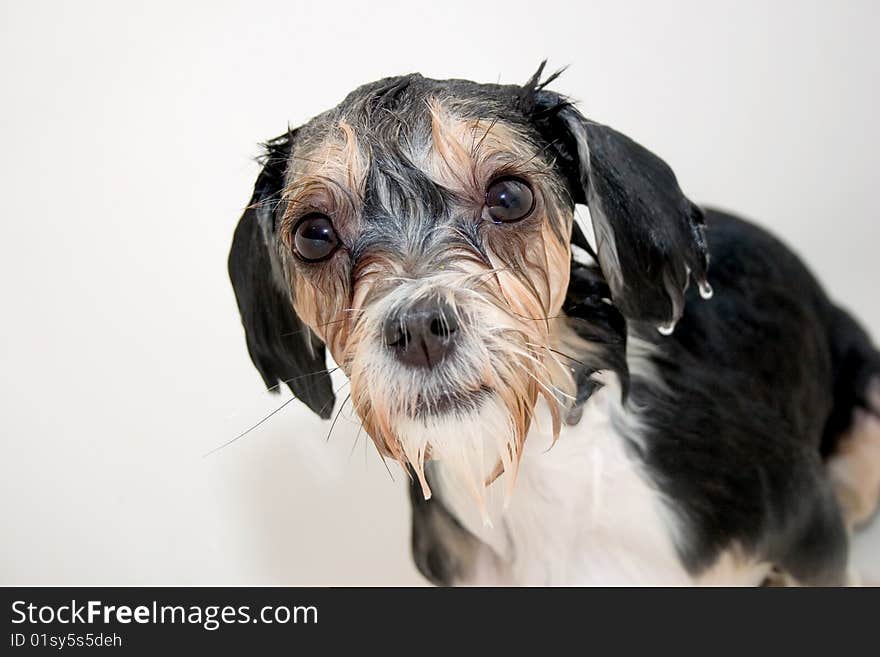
x,y
422,231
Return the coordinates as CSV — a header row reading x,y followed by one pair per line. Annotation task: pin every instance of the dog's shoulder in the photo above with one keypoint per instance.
x,y
733,422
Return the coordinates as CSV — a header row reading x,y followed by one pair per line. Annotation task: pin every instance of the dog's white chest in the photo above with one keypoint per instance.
x,y
581,512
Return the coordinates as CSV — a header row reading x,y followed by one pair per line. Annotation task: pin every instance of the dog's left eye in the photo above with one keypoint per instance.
x,y
509,199
314,237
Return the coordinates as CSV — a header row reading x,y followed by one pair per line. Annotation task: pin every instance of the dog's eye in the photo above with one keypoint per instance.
x,y
509,199
314,238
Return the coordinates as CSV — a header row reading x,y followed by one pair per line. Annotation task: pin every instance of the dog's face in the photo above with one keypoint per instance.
x,y
425,240
421,230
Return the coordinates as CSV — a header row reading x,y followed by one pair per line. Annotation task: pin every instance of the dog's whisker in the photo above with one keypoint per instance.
x,y
551,353
277,410
323,324
247,431
382,459
551,389
568,356
336,417
335,393
278,385
556,351
357,437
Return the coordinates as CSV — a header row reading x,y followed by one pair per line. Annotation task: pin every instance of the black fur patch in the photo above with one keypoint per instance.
x,y
734,434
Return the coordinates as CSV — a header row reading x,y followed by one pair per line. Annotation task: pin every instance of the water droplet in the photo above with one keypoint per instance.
x,y
706,290
666,329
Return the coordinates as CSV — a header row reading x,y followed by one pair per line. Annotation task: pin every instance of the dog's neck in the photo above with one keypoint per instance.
x,y
576,503
583,511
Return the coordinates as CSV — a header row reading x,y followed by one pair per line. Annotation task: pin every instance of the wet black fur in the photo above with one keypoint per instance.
x,y
759,381
735,440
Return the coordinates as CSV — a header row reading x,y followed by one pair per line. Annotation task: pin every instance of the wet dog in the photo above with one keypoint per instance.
x,y
523,302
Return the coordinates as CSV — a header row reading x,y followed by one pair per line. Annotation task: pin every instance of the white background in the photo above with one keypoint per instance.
x,y
127,136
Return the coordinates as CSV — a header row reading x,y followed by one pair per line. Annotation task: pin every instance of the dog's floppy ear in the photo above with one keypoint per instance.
x,y
281,346
649,236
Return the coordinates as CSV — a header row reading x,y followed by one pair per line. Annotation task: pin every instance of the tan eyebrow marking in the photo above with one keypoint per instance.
x,y
466,152
339,158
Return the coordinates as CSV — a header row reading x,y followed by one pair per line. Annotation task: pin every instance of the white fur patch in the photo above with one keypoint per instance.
x,y
581,512
469,446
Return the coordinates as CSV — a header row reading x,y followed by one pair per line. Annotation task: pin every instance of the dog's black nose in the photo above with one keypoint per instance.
x,y
423,334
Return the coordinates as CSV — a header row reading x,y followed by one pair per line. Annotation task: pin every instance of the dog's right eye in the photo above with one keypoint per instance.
x,y
314,237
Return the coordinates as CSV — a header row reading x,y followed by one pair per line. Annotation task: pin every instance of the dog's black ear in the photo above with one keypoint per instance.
x,y
649,236
281,346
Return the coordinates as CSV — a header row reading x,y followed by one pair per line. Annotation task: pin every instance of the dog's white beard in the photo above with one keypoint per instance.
x,y
468,447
